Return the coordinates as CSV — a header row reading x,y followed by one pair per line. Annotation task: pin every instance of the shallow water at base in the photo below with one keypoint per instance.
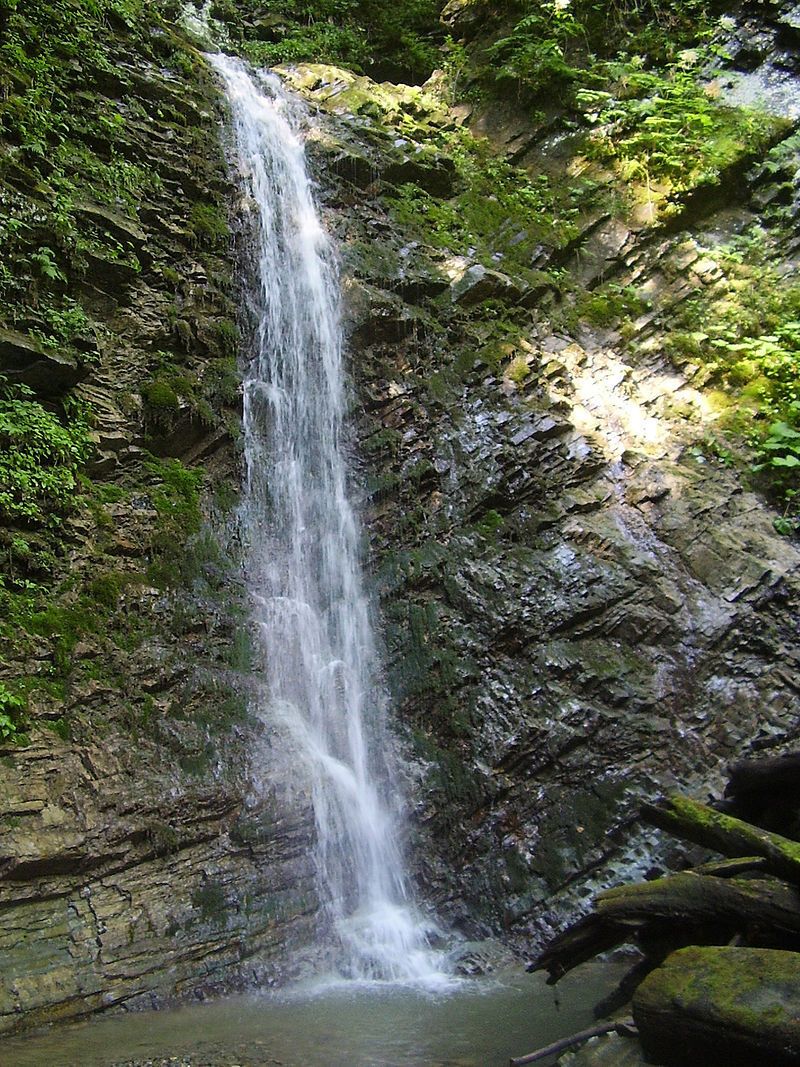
x,y
480,1024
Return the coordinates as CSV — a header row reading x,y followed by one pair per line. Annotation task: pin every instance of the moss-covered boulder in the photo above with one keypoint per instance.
x,y
737,1006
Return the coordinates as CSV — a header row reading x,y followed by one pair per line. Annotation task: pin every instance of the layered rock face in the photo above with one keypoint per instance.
x,y
584,599
138,859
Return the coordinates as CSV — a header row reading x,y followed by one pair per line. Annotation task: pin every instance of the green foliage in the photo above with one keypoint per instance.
x,y
490,524
62,326
535,53
44,259
746,337
12,716
609,304
497,206
38,41
173,389
221,382
629,73
558,46
228,337
40,456
321,42
63,153
385,39
664,125
176,498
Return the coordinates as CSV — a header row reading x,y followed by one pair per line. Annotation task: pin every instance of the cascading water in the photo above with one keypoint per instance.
x,y
318,645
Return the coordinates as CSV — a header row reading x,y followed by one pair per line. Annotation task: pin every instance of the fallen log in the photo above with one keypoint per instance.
x,y
730,868
693,821
670,912
766,792
773,774
626,1029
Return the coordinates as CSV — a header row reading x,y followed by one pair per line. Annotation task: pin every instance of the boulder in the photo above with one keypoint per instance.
x,y
48,371
431,172
478,283
737,1006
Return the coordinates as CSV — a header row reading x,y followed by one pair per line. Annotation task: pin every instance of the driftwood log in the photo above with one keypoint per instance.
x,y
693,821
625,1028
663,914
743,908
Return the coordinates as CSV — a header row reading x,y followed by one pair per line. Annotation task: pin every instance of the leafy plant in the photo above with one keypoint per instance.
x,y
665,125
45,262
497,205
535,53
40,456
12,716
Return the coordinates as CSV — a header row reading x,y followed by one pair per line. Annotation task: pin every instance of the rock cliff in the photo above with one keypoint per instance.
x,y
137,856
583,592
584,598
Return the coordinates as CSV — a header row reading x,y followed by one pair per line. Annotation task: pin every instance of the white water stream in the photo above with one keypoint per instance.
x,y
304,568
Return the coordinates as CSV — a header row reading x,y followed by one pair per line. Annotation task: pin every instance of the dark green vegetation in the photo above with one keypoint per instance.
x,y
393,41
631,88
117,345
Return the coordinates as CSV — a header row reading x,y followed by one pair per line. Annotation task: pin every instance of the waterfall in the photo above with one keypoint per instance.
x,y
318,647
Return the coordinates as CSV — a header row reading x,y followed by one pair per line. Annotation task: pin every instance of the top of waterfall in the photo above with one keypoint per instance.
x,y
206,32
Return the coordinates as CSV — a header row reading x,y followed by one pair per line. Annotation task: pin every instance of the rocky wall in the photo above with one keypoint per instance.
x,y
585,599
138,860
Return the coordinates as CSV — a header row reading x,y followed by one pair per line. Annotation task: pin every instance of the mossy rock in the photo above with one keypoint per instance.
x,y
737,1006
24,359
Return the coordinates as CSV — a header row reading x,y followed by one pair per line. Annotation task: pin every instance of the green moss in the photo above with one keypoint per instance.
x,y
221,380
210,900
209,226
60,727
106,588
161,401
165,841
490,524
228,337
743,988
518,370
176,497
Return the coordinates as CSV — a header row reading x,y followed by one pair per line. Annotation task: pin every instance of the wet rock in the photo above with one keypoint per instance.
x,y
124,230
598,253
462,16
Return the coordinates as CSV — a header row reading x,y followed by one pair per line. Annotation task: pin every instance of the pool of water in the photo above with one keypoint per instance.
x,y
479,1023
